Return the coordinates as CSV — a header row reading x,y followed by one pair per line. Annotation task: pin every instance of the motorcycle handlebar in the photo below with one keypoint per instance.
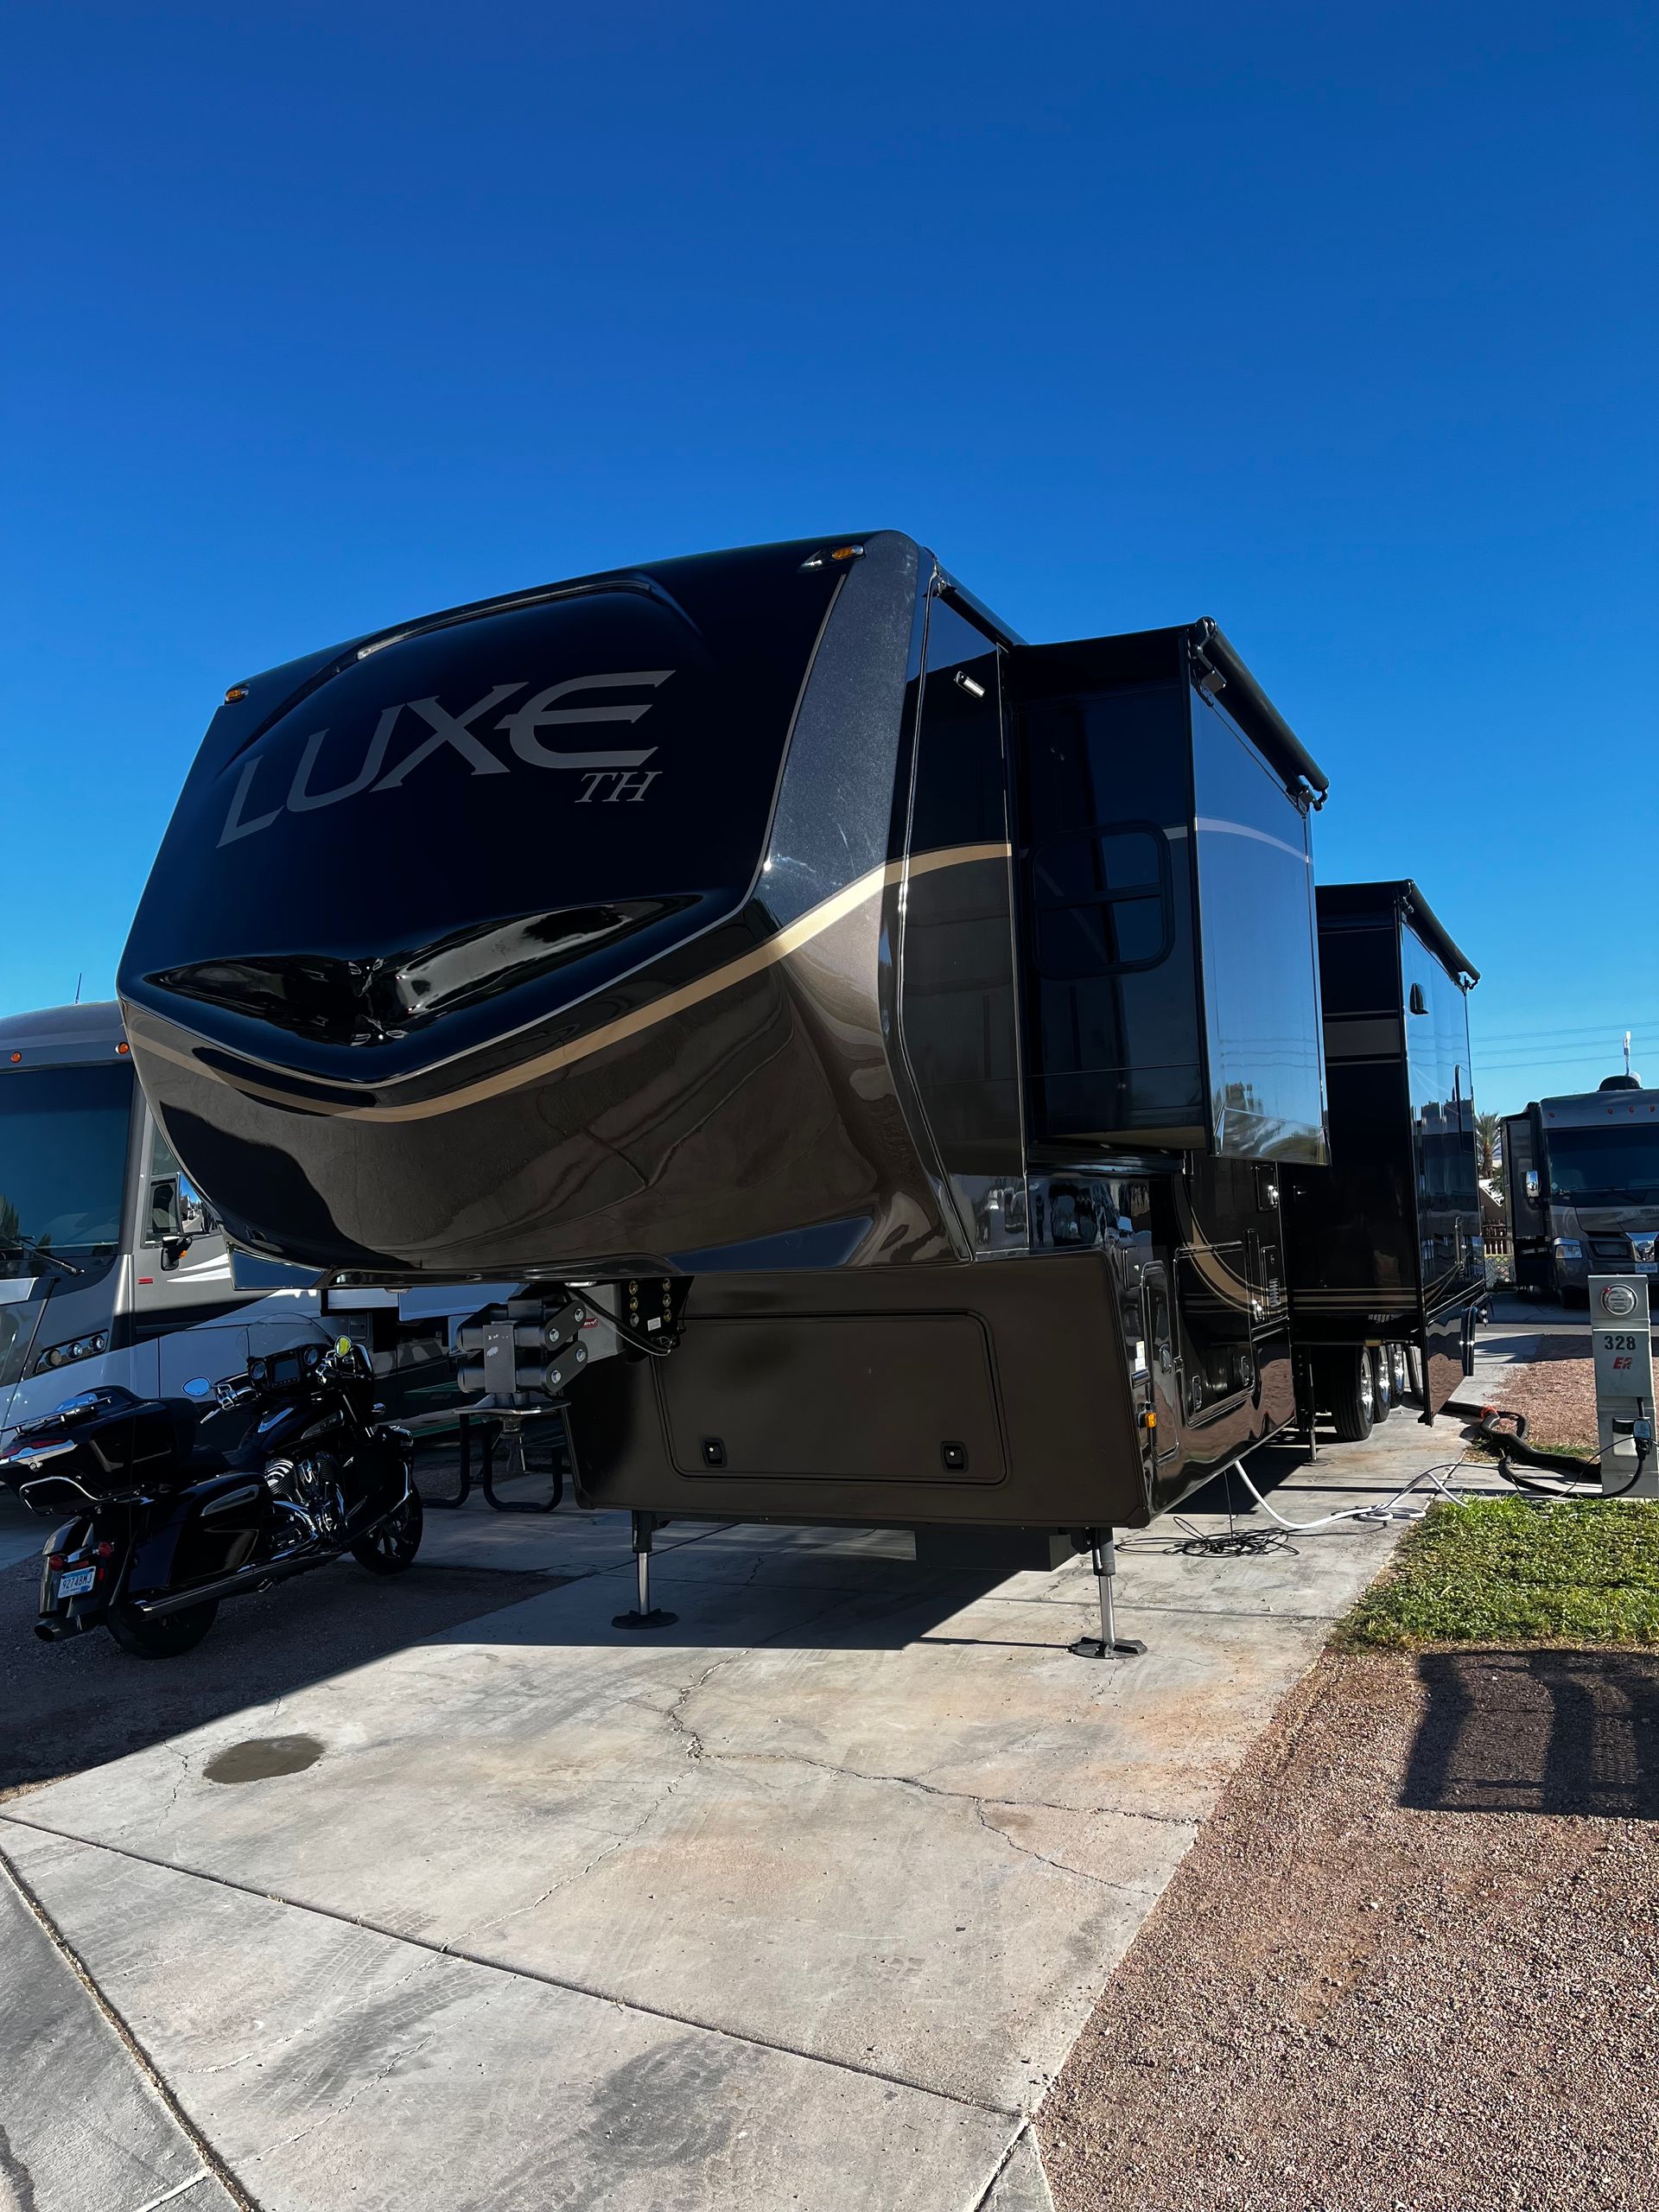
x,y
342,1363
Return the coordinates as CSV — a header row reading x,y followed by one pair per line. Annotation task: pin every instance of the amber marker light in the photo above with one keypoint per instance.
x,y
835,553
121,1049
237,691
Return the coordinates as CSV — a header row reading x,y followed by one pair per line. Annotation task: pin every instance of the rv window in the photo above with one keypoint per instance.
x,y
530,803
956,997
63,1159
164,1217
1260,978
1603,1166
1102,901
177,1207
1108,892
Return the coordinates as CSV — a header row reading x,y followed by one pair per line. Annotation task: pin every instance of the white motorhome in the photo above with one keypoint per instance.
x,y
113,1269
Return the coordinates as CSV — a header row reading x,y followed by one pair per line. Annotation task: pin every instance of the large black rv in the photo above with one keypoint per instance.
x,y
901,1031
1384,1246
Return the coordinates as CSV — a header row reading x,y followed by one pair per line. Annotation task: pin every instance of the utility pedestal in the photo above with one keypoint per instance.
x,y
1622,1337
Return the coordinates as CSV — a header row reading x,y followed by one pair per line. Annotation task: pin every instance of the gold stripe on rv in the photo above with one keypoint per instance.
x,y
811,924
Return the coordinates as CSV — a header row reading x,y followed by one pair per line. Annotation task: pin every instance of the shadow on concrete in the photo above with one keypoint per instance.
x,y
64,1707
1538,1732
67,1707
1542,1346
1270,1466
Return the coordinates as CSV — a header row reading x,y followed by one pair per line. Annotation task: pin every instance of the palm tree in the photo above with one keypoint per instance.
x,y
1489,1132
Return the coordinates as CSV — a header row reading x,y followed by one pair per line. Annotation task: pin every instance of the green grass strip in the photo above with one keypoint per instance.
x,y
1503,1570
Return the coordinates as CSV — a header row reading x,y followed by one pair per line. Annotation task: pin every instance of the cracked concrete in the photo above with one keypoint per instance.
x,y
805,1898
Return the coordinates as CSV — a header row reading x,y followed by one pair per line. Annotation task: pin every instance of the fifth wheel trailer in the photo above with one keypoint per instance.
x,y
1384,1245
906,1026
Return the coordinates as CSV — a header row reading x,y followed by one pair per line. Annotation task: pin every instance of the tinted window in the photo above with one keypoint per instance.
x,y
1260,972
956,1007
1102,901
1358,971
172,1204
63,1158
572,784
1442,1105
1604,1167
1110,988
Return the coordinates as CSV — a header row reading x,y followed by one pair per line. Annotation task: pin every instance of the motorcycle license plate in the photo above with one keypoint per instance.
x,y
77,1584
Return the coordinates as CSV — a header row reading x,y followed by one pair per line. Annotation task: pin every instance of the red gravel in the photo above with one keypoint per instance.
x,y
1411,1965
1558,1397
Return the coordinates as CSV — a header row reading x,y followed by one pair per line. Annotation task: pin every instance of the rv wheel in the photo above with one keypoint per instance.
x,y
1399,1375
167,1637
1349,1395
1381,1383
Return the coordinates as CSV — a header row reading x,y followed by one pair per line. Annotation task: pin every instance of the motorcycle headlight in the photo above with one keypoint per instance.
x,y
74,1348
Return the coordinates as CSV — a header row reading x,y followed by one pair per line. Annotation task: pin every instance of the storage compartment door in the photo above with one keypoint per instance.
x,y
889,1399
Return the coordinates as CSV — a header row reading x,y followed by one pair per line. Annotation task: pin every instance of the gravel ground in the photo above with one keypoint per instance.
x,y
1411,1965
1558,1397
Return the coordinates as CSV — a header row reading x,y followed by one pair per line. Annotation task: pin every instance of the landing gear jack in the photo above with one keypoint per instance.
x,y
645,1614
1109,1644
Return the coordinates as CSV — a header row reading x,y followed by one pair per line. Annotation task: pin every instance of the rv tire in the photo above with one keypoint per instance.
x,y
1381,1384
1349,1393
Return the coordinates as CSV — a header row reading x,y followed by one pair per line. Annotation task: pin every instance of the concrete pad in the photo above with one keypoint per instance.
x,y
1021,2186
330,2065
81,2130
879,1820
760,1788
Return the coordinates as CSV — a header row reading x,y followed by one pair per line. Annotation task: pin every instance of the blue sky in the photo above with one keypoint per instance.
x,y
1337,324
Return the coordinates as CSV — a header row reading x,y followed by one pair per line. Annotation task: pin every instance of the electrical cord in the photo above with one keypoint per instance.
x,y
1581,1477
1250,1544
1237,1543
1517,1447
1388,1510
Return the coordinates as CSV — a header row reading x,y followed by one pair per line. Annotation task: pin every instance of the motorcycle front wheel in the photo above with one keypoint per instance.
x,y
167,1637
391,1547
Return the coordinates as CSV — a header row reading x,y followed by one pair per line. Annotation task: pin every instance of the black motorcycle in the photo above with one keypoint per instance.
x,y
162,1527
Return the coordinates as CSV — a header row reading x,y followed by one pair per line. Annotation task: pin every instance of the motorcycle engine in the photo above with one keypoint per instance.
x,y
310,1489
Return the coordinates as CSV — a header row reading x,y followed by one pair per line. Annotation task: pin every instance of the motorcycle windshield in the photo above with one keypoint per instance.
x,y
457,831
